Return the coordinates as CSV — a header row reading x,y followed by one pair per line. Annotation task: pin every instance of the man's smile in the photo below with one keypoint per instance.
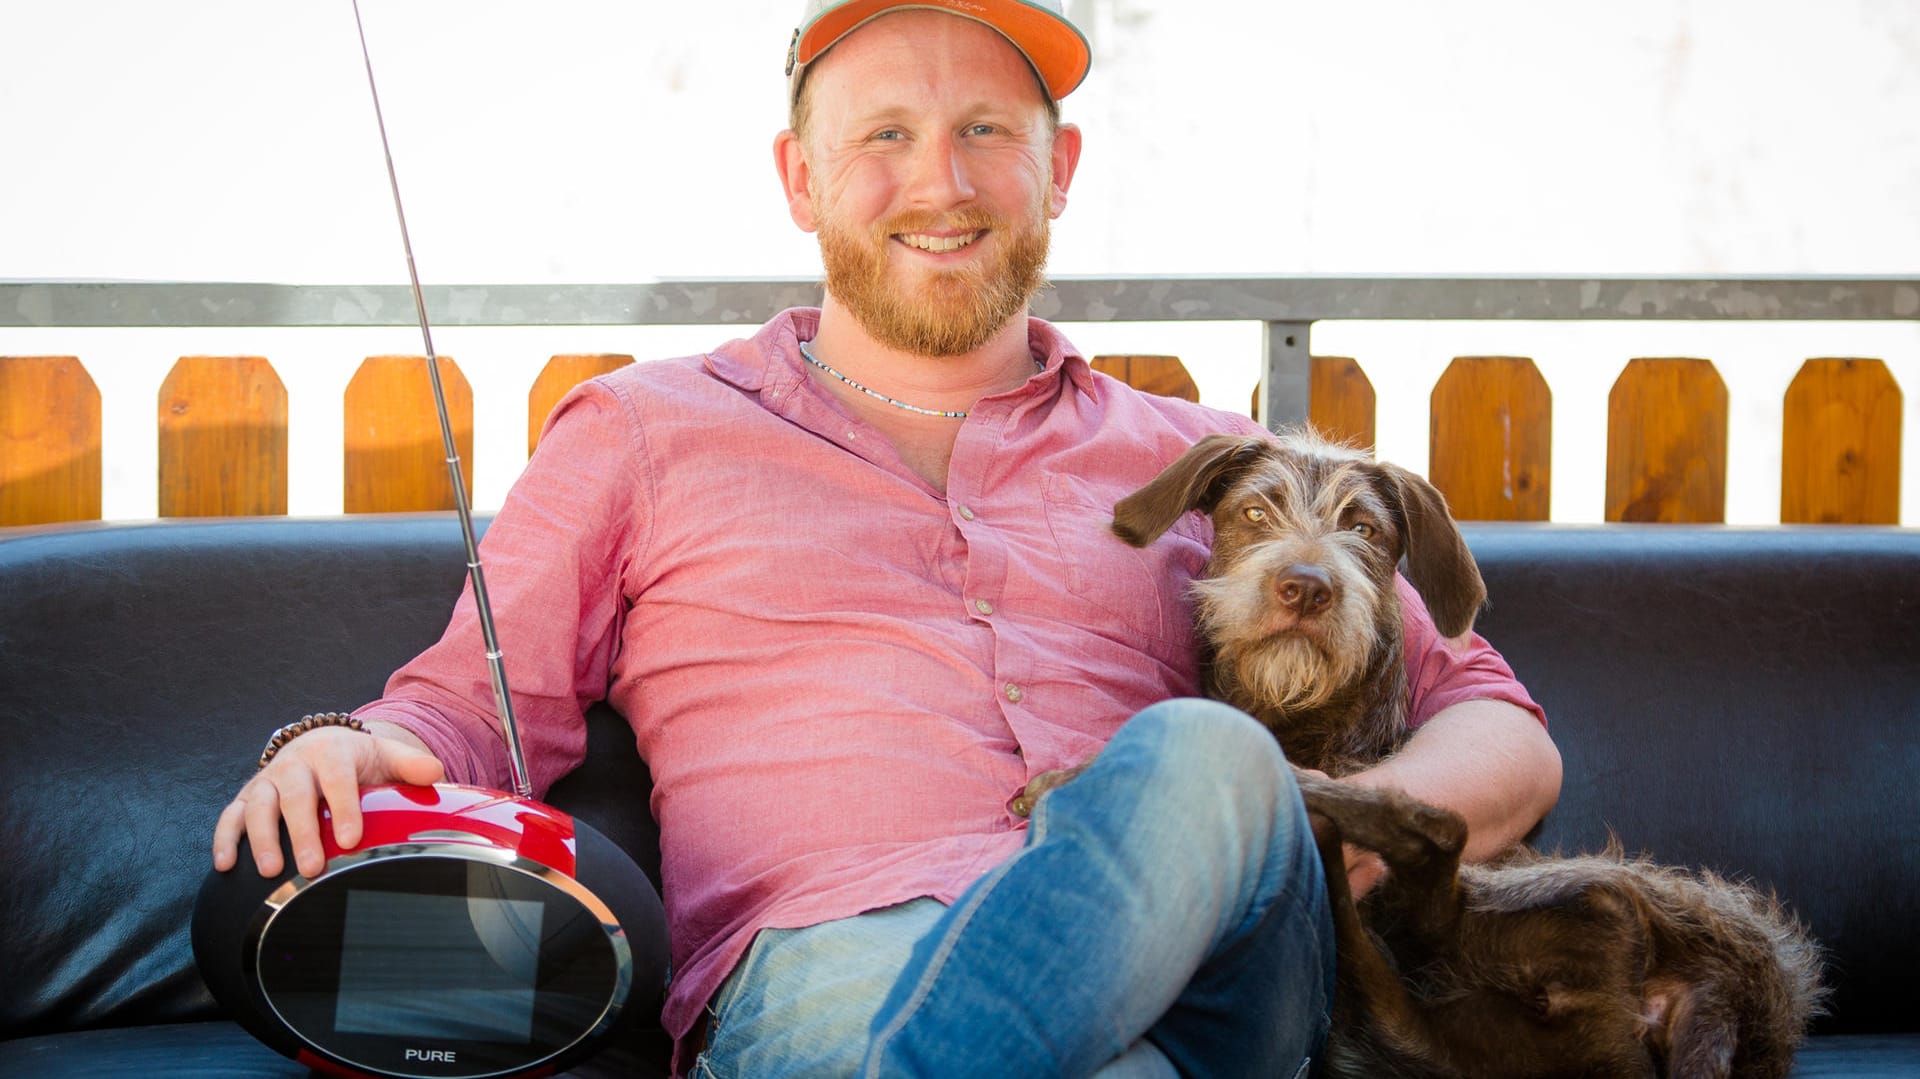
x,y
926,241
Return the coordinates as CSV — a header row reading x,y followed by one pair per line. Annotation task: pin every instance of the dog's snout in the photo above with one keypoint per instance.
x,y
1304,589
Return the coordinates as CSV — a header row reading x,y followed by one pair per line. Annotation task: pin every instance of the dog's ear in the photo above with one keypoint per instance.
x,y
1438,562
1193,482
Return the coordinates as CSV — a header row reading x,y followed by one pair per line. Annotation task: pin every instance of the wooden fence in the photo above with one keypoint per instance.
x,y
223,435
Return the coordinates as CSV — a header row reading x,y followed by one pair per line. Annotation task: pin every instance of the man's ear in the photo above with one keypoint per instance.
x,y
796,178
1066,158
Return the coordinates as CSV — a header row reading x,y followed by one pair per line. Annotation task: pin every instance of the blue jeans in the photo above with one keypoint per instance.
x,y
1167,915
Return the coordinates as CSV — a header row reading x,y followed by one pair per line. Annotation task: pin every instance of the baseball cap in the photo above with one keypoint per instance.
x,y
1038,28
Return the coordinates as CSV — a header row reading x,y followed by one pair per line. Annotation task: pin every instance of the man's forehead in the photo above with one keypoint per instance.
x,y
921,45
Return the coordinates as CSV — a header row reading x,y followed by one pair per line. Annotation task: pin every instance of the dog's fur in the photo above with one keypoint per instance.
x,y
1531,967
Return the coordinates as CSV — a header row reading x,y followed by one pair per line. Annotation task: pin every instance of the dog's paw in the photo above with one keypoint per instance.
x,y
1444,829
1029,796
1408,833
1400,828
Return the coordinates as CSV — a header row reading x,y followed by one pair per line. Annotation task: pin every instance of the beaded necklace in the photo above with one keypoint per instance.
x,y
807,353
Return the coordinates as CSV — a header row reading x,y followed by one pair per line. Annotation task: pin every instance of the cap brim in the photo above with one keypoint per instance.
x,y
1054,46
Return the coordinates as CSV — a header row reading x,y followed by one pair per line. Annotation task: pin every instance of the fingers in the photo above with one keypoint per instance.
x,y
253,813
319,765
330,765
1365,869
338,778
226,835
408,765
295,799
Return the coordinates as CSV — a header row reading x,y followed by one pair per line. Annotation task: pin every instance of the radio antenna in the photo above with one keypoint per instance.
x,y
516,758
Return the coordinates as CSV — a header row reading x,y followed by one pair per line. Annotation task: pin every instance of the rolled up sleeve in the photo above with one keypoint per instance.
x,y
1443,673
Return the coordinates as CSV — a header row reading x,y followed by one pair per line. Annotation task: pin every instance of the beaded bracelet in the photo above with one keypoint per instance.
x,y
304,724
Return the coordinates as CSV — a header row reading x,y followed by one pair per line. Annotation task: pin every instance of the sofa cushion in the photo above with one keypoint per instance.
x,y
1745,699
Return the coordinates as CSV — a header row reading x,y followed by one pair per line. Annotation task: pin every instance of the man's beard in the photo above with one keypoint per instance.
x,y
950,312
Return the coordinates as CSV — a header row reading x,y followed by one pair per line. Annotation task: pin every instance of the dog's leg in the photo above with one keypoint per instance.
x,y
1376,1014
1695,1030
1373,1007
1420,844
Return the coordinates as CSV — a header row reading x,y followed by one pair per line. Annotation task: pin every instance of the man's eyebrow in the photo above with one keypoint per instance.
x,y
879,114
1013,115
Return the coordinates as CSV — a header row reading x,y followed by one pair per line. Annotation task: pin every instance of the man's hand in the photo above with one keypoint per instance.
x,y
330,764
1364,869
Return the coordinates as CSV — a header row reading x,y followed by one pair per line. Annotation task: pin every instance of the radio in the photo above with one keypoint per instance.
x,y
470,933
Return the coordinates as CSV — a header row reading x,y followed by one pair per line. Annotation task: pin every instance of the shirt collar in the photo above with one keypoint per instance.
x,y
1056,353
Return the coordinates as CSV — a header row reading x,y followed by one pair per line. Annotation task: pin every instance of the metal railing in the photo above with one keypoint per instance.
x,y
1287,306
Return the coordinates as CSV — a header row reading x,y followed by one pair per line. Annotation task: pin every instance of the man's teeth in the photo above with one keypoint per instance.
x,y
938,243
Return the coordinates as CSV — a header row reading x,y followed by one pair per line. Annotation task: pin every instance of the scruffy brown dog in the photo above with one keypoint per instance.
x,y
1297,607
1531,968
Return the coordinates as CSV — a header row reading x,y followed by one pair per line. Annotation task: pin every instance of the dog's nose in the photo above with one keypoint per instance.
x,y
1306,590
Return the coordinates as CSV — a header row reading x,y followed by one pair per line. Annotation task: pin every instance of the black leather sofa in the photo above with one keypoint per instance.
x,y
1747,699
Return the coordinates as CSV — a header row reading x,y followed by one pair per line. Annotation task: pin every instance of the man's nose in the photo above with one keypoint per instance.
x,y
940,173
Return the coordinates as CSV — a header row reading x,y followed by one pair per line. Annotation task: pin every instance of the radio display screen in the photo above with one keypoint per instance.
x,y
438,966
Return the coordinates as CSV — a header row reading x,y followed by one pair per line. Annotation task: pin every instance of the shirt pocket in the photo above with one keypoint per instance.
x,y
1146,590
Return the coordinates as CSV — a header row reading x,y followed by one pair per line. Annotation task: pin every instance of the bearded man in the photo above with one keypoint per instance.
x,y
852,584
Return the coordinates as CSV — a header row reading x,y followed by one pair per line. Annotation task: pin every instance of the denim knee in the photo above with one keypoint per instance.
x,y
1199,744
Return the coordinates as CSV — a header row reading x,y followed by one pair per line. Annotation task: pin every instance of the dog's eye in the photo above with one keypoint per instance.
x,y
1255,514
1363,529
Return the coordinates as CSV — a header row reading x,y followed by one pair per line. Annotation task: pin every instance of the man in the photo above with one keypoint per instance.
x,y
851,583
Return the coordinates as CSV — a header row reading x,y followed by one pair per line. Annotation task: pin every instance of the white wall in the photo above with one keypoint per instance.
x,y
620,140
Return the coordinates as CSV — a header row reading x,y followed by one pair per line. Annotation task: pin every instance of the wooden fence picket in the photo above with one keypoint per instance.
x,y
1164,375
1840,444
563,373
1667,443
50,434
223,438
395,459
1491,439
1340,401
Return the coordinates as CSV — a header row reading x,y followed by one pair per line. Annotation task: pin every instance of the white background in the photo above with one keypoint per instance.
x,y
624,140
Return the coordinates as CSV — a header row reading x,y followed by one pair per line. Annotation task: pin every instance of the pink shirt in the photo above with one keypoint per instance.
x,y
837,676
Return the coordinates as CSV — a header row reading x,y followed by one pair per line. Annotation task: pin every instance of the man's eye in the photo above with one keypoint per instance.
x,y
1255,514
982,129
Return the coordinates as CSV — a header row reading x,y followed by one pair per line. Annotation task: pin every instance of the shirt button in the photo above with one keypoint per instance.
x,y
1013,693
983,606
966,514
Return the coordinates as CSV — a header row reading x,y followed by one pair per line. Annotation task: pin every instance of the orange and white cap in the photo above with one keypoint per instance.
x,y
1038,28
